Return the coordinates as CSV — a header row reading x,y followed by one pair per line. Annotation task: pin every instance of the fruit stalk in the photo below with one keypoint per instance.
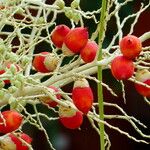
x,y
99,74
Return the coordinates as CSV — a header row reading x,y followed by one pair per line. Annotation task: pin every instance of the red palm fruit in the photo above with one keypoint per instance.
x,y
88,53
19,144
82,95
75,40
2,71
45,62
70,118
49,101
144,77
12,142
38,62
58,35
122,68
10,121
130,46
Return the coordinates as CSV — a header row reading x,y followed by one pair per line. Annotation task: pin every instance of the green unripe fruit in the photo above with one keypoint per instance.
x,y
12,89
60,3
18,84
75,4
25,60
2,48
13,69
69,14
76,17
2,84
2,93
19,77
40,20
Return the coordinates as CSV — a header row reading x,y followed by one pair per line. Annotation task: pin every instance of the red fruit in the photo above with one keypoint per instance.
x,y
38,62
122,68
2,71
19,144
130,46
58,35
12,142
45,62
75,40
70,118
88,53
10,121
82,95
49,101
143,76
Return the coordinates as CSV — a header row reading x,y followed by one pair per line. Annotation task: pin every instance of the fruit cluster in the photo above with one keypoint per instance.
x,y
82,97
74,41
122,67
71,42
10,121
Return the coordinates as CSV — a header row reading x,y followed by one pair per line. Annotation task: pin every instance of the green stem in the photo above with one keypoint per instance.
x,y
99,74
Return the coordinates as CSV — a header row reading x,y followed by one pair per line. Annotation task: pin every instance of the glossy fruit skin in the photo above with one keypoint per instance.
x,y
18,143
45,62
12,119
83,98
38,62
122,68
50,102
130,46
88,53
144,77
144,91
73,122
58,35
71,119
76,39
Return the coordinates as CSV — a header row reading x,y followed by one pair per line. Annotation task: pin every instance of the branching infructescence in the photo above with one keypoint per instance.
x,y
25,25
